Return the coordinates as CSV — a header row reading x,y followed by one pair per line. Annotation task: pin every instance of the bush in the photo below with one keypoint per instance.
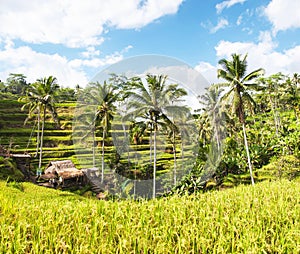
x,y
287,167
17,185
8,168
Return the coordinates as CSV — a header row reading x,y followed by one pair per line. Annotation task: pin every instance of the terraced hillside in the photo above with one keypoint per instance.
x,y
20,138
58,142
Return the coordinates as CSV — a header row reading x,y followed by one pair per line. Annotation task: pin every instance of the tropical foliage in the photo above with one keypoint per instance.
x,y
234,72
39,98
248,121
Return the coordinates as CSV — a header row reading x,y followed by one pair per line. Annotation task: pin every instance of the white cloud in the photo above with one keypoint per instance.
x,y
191,79
131,15
262,54
90,52
227,4
208,71
222,23
283,14
76,23
96,62
36,65
239,20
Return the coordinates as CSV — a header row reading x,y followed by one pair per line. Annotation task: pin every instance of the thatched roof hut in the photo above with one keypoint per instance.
x,y
64,169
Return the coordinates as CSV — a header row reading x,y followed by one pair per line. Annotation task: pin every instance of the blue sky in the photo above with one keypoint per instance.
x,y
73,40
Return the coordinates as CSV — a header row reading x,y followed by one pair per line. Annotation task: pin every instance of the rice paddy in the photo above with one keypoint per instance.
x,y
246,219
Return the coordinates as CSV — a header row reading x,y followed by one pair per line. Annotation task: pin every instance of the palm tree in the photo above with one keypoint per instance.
x,y
41,97
33,104
103,98
234,72
86,127
213,112
137,132
154,100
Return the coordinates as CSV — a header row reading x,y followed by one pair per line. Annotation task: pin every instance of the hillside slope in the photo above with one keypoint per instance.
x,y
246,219
20,138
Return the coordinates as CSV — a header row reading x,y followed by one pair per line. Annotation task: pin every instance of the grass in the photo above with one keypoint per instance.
x,y
246,219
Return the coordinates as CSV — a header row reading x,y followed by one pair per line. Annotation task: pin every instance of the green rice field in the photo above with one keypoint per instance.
x,y
246,219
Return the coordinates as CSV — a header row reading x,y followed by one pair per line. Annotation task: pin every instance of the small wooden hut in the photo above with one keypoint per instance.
x,y
63,173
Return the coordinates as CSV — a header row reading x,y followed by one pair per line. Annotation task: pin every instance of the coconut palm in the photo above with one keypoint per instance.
x,y
238,82
33,104
40,98
102,97
212,110
85,127
154,100
137,132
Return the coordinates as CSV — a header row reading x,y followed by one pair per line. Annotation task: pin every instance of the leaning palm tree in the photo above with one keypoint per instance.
x,y
154,100
238,82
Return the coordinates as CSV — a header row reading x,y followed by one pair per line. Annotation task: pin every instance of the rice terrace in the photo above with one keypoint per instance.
x,y
148,156
193,215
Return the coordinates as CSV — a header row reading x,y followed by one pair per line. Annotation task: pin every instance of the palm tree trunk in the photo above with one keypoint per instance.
x,y
94,153
38,132
102,162
216,131
151,145
175,162
182,147
154,164
41,144
248,154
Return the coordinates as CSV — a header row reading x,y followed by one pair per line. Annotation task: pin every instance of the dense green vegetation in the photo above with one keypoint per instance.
x,y
18,137
247,132
243,130
260,219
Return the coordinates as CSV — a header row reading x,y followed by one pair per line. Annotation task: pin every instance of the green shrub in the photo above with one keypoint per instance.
x,y
287,167
8,169
17,185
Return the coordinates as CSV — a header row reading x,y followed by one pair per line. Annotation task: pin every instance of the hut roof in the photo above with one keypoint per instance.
x,y
65,169
21,155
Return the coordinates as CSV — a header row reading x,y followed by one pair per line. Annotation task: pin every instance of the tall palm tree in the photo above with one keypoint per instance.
x,y
33,104
137,132
154,100
41,97
85,127
238,82
103,97
212,110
